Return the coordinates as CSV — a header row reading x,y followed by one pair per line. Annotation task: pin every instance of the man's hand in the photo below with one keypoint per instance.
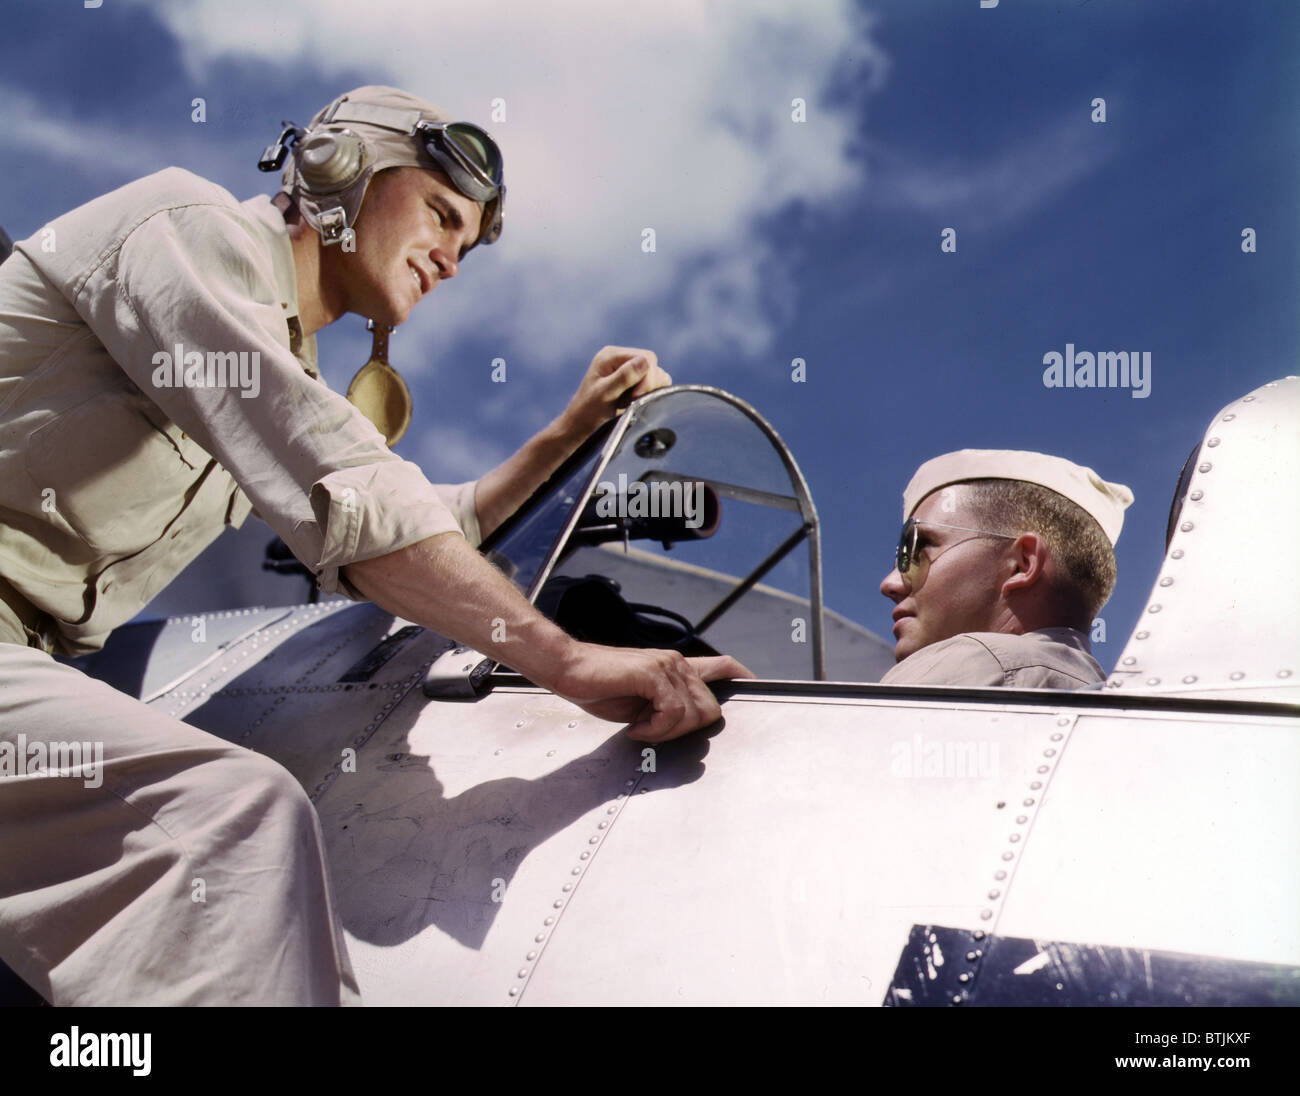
x,y
617,376
444,585
661,693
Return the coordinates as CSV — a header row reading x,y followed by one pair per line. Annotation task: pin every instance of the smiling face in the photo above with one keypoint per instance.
x,y
958,582
411,233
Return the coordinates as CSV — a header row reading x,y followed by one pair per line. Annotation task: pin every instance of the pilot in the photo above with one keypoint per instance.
x,y
1004,560
158,381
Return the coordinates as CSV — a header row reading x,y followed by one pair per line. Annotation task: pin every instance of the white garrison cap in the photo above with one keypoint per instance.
x,y
1106,502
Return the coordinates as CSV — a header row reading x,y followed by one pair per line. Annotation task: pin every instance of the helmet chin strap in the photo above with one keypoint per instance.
x,y
332,224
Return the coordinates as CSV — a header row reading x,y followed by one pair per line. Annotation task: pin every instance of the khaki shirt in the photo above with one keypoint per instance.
x,y
117,468
1050,658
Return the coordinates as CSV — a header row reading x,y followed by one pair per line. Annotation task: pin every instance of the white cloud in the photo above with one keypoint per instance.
x,y
674,115
1003,186
126,149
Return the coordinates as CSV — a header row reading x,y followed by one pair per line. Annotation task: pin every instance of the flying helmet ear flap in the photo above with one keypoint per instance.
x,y
327,177
385,127
330,162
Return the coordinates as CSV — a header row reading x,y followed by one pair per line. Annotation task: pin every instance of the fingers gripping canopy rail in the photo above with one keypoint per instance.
x,y
703,475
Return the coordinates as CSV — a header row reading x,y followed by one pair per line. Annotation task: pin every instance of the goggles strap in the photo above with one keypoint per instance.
x,y
413,124
379,341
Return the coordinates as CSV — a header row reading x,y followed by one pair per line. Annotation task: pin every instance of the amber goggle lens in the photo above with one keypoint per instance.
x,y
379,392
382,396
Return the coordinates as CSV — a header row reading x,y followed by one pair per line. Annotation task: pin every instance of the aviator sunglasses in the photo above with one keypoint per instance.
x,y
908,559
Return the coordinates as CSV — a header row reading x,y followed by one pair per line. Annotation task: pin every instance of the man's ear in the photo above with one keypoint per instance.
x,y
1029,555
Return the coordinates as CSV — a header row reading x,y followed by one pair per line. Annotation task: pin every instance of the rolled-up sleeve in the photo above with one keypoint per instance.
x,y
460,500
195,280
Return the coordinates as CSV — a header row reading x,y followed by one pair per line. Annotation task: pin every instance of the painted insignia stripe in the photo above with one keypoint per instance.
x,y
943,966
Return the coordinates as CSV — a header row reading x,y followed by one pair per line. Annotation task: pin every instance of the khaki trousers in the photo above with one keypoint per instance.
x,y
185,871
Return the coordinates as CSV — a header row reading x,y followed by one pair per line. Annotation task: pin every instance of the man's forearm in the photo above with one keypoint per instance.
x,y
617,375
443,584
508,486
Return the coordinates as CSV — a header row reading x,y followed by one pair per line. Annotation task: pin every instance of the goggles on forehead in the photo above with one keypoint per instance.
x,y
474,165
908,557
467,153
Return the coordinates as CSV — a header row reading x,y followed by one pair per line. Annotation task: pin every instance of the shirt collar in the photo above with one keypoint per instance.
x,y
1071,637
268,218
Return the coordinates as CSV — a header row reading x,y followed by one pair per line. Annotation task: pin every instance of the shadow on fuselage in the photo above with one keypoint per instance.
x,y
403,853
447,861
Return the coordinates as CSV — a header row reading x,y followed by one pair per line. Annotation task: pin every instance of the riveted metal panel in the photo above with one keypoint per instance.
x,y
309,647
1222,618
279,690
794,871
462,837
516,851
1179,834
150,658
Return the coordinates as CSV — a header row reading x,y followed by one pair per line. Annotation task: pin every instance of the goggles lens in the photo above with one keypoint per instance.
x,y
382,396
379,391
469,154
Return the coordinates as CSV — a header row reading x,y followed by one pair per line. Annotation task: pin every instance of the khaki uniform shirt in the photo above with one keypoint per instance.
x,y
1050,658
117,468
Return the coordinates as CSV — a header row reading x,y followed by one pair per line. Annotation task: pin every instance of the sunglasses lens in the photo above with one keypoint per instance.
x,y
906,547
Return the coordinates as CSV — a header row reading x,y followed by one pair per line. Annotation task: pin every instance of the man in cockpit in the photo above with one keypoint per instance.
x,y
158,382
1004,560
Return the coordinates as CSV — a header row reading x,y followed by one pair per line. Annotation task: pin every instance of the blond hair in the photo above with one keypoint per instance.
x,y
1083,554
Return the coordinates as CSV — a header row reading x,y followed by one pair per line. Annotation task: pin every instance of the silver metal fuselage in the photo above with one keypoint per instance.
x,y
514,850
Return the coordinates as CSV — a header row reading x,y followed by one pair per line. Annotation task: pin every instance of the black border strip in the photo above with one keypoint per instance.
x,y
1055,699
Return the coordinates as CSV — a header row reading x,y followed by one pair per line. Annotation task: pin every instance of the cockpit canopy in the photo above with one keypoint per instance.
x,y
661,530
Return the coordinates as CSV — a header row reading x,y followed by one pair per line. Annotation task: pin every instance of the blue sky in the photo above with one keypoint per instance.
x,y
774,239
